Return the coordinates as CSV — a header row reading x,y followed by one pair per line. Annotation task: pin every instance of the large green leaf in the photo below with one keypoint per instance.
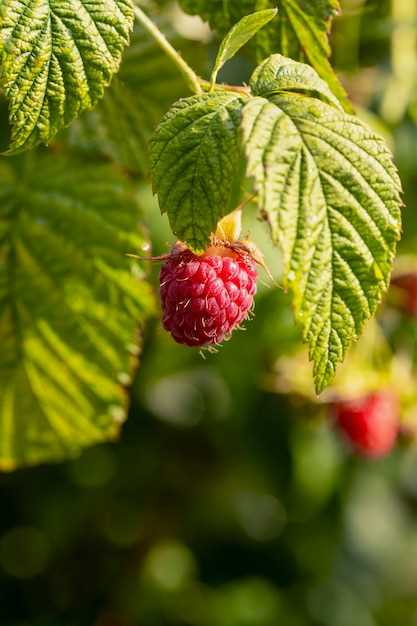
x,y
72,306
197,164
57,56
146,86
300,31
329,190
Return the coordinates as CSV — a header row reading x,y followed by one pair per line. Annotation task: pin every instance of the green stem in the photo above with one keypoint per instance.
x,y
191,78
208,86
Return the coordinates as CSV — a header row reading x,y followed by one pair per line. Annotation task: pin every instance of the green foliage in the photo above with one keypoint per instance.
x,y
278,74
197,164
146,86
118,128
239,35
70,303
57,56
229,500
300,32
69,298
325,182
330,192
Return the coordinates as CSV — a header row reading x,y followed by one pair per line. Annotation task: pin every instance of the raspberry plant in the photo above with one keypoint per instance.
x,y
71,300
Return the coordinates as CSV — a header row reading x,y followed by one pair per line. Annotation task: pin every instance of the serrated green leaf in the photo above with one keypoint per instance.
x,y
331,194
196,163
300,30
72,306
239,35
147,84
310,23
57,57
279,74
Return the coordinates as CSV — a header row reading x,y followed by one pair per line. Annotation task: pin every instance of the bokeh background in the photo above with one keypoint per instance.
x,y
229,499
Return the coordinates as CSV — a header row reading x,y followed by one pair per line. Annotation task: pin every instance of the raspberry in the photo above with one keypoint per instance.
x,y
204,298
369,423
406,284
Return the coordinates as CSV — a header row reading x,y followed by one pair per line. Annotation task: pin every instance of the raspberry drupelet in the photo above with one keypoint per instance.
x,y
205,297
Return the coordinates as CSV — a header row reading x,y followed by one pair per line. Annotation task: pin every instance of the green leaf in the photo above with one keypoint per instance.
x,y
223,14
239,35
72,306
117,128
278,74
197,164
146,86
308,23
300,30
57,57
331,194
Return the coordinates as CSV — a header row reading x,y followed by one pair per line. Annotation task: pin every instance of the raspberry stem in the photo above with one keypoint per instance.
x,y
191,78
194,82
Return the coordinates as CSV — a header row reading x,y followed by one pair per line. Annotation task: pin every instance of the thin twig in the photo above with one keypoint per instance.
x,y
193,81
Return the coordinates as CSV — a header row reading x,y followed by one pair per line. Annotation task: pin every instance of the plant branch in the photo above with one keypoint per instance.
x,y
191,78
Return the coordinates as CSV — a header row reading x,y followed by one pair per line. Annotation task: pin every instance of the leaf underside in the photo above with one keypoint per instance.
x,y
71,307
197,164
57,57
331,195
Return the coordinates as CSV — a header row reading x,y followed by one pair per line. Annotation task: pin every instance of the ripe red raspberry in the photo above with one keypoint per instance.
x,y
204,297
369,423
406,285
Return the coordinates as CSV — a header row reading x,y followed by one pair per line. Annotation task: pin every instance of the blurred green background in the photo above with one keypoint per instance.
x,y
230,501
